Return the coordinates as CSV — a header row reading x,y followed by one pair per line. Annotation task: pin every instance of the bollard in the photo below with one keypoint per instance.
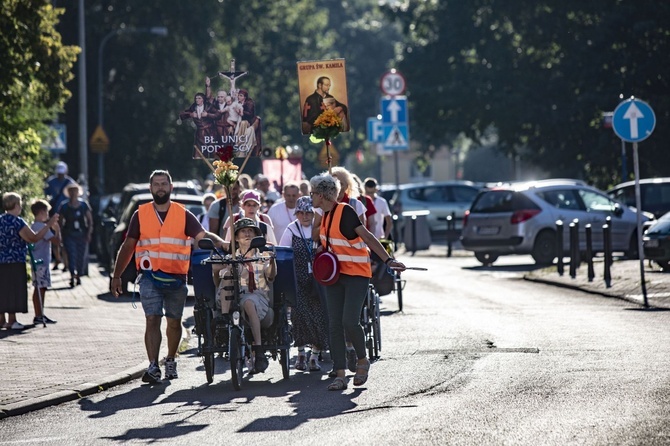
x,y
589,252
574,248
607,245
450,231
608,222
560,267
413,234
396,239
578,254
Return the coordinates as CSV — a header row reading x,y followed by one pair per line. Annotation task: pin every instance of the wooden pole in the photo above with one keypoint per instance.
x,y
328,157
244,163
205,159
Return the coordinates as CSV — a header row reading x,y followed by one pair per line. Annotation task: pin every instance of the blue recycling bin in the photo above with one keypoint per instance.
x,y
284,287
203,284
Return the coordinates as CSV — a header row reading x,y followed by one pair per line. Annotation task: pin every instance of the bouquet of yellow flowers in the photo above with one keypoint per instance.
x,y
225,172
327,126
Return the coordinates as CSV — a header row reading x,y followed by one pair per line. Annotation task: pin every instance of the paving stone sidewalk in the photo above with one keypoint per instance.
x,y
97,342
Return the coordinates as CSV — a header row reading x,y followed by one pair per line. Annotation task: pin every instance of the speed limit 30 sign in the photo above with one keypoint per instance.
x,y
393,83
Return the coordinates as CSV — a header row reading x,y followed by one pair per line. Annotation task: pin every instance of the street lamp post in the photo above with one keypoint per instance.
x,y
158,30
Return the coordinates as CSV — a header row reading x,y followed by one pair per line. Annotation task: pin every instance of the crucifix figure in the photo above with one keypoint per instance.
x,y
232,75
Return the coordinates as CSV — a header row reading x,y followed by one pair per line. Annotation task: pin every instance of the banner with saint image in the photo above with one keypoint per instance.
x,y
224,115
323,86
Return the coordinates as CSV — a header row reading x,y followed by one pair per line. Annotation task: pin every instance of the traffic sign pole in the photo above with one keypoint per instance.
x,y
634,121
640,249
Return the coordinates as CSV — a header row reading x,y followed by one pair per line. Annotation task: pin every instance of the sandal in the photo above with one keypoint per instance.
x,y
338,384
361,378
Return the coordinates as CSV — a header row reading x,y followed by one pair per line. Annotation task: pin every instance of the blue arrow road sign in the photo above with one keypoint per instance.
x,y
396,137
375,130
394,110
633,120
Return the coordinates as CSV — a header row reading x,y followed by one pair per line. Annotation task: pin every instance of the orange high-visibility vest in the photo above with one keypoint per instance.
x,y
353,254
166,244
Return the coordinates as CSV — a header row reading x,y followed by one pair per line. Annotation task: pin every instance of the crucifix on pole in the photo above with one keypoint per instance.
x,y
232,75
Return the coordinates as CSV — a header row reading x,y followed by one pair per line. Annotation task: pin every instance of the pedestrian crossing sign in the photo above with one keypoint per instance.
x,y
396,137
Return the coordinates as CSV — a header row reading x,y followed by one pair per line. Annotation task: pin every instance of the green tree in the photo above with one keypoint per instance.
x,y
35,67
148,80
540,74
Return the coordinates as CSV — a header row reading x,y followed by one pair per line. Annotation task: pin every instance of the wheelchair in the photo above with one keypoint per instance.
x,y
229,334
371,323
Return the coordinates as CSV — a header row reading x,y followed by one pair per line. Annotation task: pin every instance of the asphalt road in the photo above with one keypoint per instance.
x,y
479,356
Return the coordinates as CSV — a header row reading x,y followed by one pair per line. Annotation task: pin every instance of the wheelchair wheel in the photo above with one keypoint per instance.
x,y
209,367
236,357
367,322
204,320
285,340
284,359
376,324
398,289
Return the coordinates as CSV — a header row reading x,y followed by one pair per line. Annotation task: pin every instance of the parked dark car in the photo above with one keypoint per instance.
x,y
654,195
193,203
656,242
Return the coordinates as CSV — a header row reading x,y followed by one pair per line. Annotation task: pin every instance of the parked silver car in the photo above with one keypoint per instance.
x,y
654,195
521,219
440,198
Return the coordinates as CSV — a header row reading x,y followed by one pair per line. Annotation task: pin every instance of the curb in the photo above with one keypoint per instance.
x,y
590,291
85,389
63,396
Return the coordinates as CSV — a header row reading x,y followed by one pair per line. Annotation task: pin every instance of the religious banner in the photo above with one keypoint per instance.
x,y
323,86
224,115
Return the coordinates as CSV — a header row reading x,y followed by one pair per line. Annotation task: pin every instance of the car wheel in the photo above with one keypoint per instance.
x,y
544,248
633,252
486,258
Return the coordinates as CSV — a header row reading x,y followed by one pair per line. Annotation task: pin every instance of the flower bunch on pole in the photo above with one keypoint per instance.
x,y
225,172
326,127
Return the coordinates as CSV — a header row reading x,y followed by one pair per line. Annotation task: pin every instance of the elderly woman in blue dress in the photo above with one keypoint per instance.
x,y
15,234
310,324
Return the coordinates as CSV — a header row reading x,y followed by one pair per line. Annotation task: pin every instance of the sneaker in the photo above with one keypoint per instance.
x,y
301,364
314,365
152,374
170,368
352,359
261,363
42,320
17,326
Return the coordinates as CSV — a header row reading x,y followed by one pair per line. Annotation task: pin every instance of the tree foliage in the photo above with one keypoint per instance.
x,y
148,79
35,67
539,74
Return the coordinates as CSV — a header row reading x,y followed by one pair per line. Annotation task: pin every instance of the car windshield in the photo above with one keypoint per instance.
x,y
502,201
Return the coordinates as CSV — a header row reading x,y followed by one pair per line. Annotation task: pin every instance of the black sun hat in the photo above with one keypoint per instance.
x,y
247,223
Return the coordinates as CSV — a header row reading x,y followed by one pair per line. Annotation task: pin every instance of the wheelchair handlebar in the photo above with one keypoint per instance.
x,y
228,260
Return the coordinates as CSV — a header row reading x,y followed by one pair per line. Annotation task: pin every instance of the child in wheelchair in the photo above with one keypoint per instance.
x,y
255,292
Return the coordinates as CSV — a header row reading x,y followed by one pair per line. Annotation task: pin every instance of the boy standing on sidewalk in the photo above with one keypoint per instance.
x,y
42,250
